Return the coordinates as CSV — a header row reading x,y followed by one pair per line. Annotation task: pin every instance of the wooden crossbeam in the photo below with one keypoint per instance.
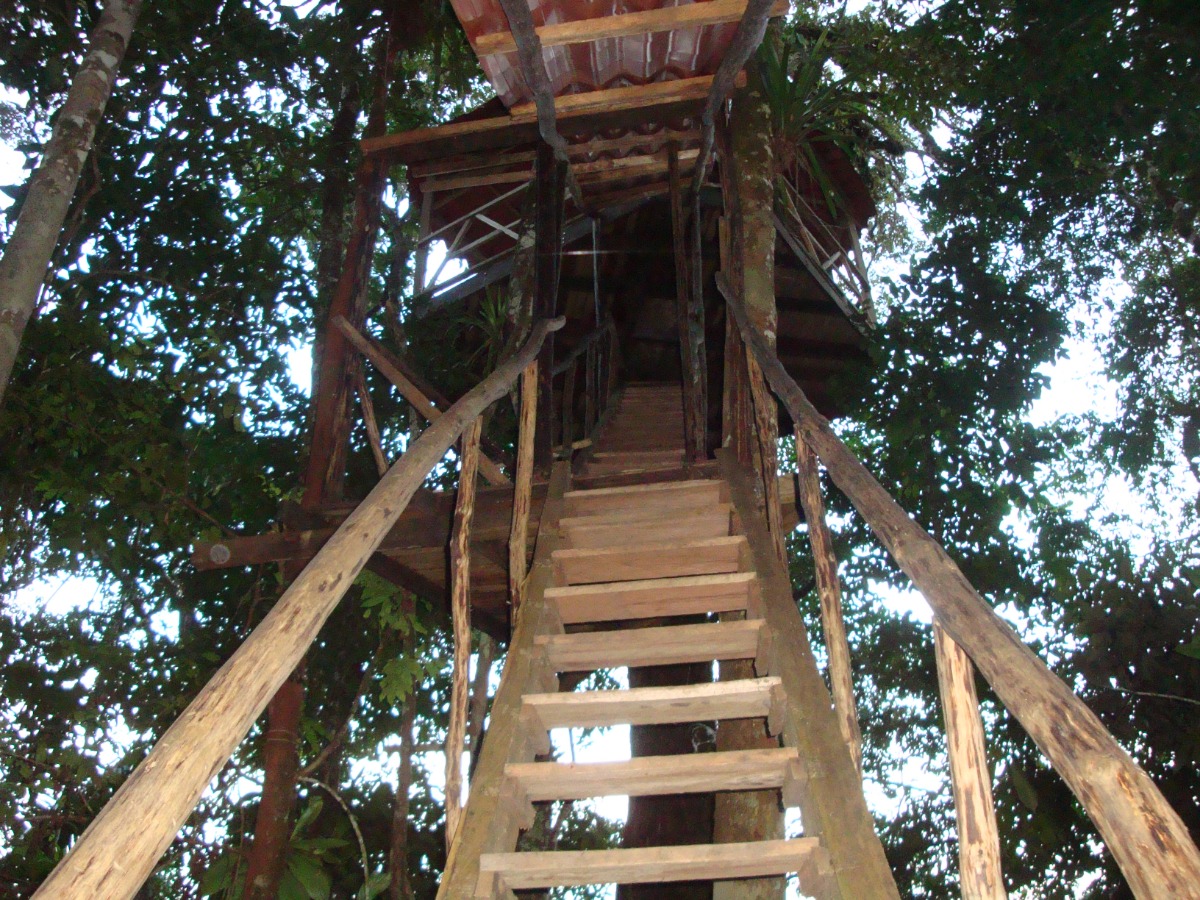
x,y
585,31
632,97
651,143
588,172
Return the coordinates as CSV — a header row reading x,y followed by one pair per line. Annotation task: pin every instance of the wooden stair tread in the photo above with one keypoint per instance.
x,y
645,599
662,646
593,532
644,512
633,562
691,773
649,865
748,698
695,491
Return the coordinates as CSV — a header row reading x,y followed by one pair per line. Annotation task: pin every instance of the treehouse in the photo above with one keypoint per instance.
x,y
677,293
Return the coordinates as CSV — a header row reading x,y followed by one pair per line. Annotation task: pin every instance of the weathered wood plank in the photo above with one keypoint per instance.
x,y
585,31
745,770
689,595
979,872
634,562
664,646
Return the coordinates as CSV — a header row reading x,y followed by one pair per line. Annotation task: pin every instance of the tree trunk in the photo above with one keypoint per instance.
x,y
281,763
670,820
29,251
400,887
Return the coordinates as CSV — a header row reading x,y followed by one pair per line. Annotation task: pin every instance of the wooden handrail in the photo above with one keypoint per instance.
x,y
1145,835
118,851
565,363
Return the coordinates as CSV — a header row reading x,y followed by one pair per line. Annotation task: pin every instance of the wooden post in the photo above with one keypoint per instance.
x,y
460,610
548,249
753,240
979,872
829,587
495,812
832,804
374,437
518,540
695,389
737,422
422,260
393,371
568,406
1145,835
119,849
592,361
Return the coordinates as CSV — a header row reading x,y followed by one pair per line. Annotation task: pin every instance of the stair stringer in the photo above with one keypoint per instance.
x,y
832,803
495,815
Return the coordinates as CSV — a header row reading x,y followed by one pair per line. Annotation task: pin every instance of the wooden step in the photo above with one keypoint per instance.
x,y
501,872
633,562
690,595
691,773
648,525
748,698
665,646
638,457
669,495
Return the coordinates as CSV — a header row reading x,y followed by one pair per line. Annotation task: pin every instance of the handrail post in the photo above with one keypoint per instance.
x,y
518,540
1146,836
979,872
829,588
118,851
460,611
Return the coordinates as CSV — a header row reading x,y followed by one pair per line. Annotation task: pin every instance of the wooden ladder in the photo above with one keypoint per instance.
x,y
608,559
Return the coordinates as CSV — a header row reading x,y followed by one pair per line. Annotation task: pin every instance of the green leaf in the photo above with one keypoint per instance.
x,y
376,885
312,877
1024,787
1191,649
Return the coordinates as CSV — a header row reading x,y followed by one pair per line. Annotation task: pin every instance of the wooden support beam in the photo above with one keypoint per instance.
x,y
493,817
370,422
568,406
460,612
533,69
829,589
122,845
751,30
518,542
391,369
832,805
979,872
548,244
1146,836
609,100
652,21
691,339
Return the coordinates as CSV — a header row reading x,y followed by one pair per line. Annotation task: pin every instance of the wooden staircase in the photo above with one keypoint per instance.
x,y
607,560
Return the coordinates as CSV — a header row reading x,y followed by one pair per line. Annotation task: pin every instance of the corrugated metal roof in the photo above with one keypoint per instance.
x,y
607,63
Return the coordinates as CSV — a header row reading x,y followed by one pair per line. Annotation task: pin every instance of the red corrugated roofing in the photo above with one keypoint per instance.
x,y
612,62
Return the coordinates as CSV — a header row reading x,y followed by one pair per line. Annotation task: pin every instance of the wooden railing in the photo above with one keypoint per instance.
x,y
596,354
119,850
1146,836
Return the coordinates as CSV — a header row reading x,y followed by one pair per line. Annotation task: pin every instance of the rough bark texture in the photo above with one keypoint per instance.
x,y
119,849
548,247
460,609
979,872
1146,836
494,815
754,242
518,540
280,757
746,815
737,417
829,588
29,250
832,803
